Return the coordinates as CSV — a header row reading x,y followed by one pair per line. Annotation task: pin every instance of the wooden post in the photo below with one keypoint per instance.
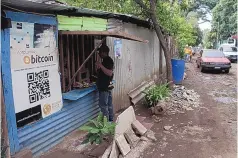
x,y
4,132
62,62
68,63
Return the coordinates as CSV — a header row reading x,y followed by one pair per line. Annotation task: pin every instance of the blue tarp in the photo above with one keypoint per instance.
x,y
78,93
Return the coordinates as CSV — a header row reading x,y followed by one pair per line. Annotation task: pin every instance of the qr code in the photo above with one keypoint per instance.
x,y
38,85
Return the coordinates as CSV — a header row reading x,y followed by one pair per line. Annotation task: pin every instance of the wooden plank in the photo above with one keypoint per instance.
x,y
62,63
68,61
78,56
117,34
8,92
83,51
73,57
4,133
93,58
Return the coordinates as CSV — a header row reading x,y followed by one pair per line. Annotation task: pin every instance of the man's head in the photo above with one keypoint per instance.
x,y
104,51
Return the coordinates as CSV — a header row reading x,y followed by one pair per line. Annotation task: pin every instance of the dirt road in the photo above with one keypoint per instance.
x,y
209,131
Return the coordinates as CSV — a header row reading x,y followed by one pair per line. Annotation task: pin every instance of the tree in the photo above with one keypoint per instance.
x,y
151,13
224,21
201,7
209,39
118,6
168,15
184,30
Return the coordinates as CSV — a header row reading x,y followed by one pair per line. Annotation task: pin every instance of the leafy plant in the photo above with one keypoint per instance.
x,y
155,94
98,129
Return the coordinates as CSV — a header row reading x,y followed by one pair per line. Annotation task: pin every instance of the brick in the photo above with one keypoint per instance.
x,y
123,145
131,137
138,127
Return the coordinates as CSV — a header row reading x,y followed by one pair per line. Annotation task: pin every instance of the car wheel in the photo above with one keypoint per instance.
x,y
202,70
227,71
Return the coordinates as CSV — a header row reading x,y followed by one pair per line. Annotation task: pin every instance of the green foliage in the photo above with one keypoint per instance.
x,y
97,129
115,6
171,16
224,20
209,39
155,94
185,31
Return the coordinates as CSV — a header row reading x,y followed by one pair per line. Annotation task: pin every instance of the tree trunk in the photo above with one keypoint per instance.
x,y
162,42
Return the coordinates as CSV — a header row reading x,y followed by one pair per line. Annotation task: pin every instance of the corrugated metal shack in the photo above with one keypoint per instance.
x,y
39,120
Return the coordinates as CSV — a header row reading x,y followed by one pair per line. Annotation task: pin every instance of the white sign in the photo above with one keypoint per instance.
x,y
34,68
118,48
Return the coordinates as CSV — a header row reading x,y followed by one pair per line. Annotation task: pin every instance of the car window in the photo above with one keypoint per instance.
x,y
227,49
213,54
230,41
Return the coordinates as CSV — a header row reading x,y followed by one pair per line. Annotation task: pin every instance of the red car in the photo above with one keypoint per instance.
x,y
213,60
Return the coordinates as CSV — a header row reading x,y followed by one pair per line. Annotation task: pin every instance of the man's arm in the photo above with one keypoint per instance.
x,y
108,72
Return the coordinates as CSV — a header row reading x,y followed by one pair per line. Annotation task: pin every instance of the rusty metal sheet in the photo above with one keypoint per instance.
x,y
117,34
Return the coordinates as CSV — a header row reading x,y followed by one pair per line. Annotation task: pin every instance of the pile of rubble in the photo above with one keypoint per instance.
x,y
180,100
131,137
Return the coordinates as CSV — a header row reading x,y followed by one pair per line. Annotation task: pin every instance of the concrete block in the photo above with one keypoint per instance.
x,y
124,121
138,127
131,137
115,151
26,153
123,145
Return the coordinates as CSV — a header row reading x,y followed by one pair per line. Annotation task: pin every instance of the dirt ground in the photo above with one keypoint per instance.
x,y
210,130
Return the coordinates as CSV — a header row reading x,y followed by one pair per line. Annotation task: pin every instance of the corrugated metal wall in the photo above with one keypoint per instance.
x,y
139,62
46,133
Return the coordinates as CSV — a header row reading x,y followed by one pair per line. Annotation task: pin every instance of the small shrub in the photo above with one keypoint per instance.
x,y
98,129
156,93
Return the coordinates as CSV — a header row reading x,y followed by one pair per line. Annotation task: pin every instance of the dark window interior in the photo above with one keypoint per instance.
x,y
73,50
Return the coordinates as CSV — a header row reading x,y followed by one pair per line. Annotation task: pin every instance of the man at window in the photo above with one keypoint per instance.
x,y
105,75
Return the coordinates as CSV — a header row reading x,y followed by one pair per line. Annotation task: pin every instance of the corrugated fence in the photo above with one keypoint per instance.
x,y
139,62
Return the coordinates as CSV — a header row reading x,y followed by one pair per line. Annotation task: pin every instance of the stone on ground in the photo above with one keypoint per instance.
x,y
139,128
151,135
167,128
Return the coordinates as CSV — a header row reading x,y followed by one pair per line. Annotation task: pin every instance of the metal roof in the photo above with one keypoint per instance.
x,y
55,9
